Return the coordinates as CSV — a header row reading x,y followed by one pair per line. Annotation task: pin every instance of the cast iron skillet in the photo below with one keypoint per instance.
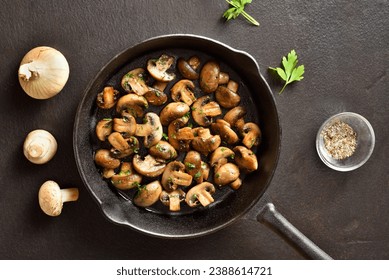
x,y
229,205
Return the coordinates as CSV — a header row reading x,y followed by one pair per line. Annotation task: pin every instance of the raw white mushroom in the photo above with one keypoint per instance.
x,y
39,146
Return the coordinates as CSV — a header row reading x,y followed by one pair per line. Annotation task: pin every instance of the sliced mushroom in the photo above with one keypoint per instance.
x,y
122,147
158,67
148,166
245,159
125,125
148,195
204,109
172,199
127,178
205,142
233,115
104,128
135,81
183,91
236,184
211,77
251,135
228,97
151,130
193,166
173,111
175,176
220,157
188,68
107,98
104,159
176,128
133,104
156,95
200,194
163,150
222,128
226,174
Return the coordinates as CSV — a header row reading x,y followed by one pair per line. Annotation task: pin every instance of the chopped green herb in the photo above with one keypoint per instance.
x,y
217,175
232,156
125,172
223,149
190,165
136,185
164,136
197,175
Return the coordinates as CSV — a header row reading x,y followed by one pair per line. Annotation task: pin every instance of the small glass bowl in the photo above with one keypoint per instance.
x,y
365,142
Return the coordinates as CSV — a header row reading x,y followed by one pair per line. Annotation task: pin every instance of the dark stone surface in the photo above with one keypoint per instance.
x,y
343,46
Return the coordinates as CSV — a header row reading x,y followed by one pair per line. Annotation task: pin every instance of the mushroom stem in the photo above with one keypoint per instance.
x,y
174,203
205,198
70,194
181,178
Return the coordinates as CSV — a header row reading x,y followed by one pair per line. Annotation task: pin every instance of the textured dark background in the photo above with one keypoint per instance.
x,y
344,47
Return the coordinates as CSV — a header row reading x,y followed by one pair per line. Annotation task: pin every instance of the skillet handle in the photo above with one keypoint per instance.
x,y
270,215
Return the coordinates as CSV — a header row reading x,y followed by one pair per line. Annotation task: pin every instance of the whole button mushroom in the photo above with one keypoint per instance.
x,y
211,77
226,174
188,68
51,197
149,194
39,146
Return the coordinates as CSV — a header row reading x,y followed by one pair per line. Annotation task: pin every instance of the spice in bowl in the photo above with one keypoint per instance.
x,y
340,140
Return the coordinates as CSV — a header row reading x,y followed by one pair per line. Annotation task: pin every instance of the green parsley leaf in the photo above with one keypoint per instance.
x,y
238,9
290,73
164,136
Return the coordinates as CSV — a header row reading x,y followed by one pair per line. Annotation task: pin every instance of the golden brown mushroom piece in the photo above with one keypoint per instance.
x,y
158,68
151,130
235,114
228,97
163,150
251,135
183,91
222,128
245,159
193,166
133,104
211,77
107,98
104,128
173,111
122,147
125,125
188,68
149,166
220,157
179,135
174,176
200,194
205,142
172,199
204,109
104,159
226,174
148,195
156,95
127,178
135,81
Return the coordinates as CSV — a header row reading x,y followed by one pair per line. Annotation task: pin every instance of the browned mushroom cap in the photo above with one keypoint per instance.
x,y
125,125
245,159
193,166
107,98
175,176
203,109
233,115
172,199
103,128
226,174
148,166
228,97
176,128
236,184
239,124
200,194
133,104
148,195
188,70
183,91
251,135
205,142
222,128
155,97
163,150
209,76
158,67
127,178
151,130
135,81
220,157
104,159
173,111
122,147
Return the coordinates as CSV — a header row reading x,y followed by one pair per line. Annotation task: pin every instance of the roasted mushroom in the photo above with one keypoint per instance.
x,y
233,115
156,95
104,159
177,130
222,128
220,157
251,135
127,178
122,147
211,77
183,91
227,97
204,109
226,174
158,67
148,166
205,142
148,195
135,81
188,68
200,194
245,159
133,104
104,128
107,98
193,166
175,176
163,150
125,125
173,111
151,130
172,199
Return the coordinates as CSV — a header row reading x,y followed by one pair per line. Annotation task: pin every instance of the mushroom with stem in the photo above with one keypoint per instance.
x,y
193,166
173,111
200,194
104,128
220,157
205,142
211,77
156,95
135,81
222,128
163,150
126,179
175,176
104,159
234,115
125,125
245,159
204,109
172,199
158,68
107,98
177,129
148,194
51,197
227,96
151,130
251,135
149,166
226,174
39,146
133,104
188,68
122,147
183,91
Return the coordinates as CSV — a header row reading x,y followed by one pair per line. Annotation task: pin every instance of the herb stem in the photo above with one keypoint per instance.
x,y
246,15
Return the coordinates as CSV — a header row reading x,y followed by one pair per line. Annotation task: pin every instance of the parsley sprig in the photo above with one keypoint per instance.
x,y
237,9
291,72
